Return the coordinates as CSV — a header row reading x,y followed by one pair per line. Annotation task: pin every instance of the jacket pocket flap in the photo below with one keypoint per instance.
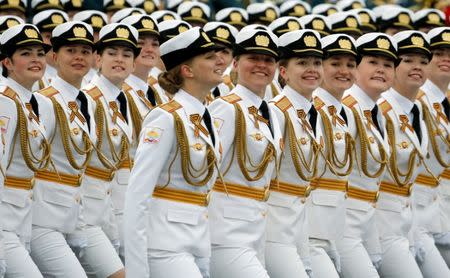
x,y
182,216
241,213
15,197
58,197
325,199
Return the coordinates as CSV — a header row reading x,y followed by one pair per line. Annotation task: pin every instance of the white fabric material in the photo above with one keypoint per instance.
x,y
431,262
53,256
282,260
321,262
165,264
18,261
398,262
236,262
355,261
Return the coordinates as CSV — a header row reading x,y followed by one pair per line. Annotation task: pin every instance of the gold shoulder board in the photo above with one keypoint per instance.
x,y
48,92
95,93
349,101
126,87
318,103
385,107
151,80
170,106
231,98
9,93
283,104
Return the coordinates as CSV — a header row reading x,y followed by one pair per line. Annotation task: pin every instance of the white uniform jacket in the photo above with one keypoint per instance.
x,y
16,205
173,225
287,221
433,213
57,203
394,213
116,130
326,208
237,221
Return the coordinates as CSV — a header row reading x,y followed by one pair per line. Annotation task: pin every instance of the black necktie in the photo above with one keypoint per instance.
x,y
312,118
264,108
343,115
84,108
207,120
416,122
216,92
34,106
446,105
374,113
123,105
151,95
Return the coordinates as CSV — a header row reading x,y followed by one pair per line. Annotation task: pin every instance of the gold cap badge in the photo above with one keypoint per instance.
x,y
299,10
365,18
236,17
147,23
351,22
168,17
344,43
197,12
318,24
149,6
31,33
356,5
432,17
383,43
271,14
293,25
76,3
79,32
123,33
119,2
404,18
331,11
418,41
57,18
222,33
262,40
182,29
11,22
13,2
446,36
53,2
97,21
310,41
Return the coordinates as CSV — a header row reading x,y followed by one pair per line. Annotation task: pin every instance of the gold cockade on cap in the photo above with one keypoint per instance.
x,y
262,40
57,18
404,19
236,17
299,10
53,2
271,14
80,32
345,43
168,17
318,24
196,12
293,25
97,21
76,3
11,22
432,17
364,17
222,33
13,2
351,22
147,23
182,29
418,41
123,33
310,41
446,36
149,6
31,33
119,2
383,43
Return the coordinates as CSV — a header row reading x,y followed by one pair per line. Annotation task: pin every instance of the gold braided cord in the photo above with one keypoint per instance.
x,y
85,150
135,115
102,124
243,157
365,147
331,155
396,174
189,172
433,128
34,163
297,154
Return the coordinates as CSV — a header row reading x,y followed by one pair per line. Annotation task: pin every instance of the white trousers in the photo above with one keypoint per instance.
x,y
53,256
444,250
321,264
165,264
283,261
432,264
19,262
355,261
99,258
397,260
236,262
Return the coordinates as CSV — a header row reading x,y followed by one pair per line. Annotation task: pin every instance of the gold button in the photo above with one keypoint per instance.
x,y
338,136
371,139
76,131
114,132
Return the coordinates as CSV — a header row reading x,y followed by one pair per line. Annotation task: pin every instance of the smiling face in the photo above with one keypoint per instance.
x,y
255,71
227,55
303,75
410,74
207,69
73,62
116,63
439,67
339,74
375,75
27,65
148,58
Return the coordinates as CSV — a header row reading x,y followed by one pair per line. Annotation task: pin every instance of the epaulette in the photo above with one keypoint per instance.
x,y
420,94
48,92
126,87
95,93
151,80
283,104
231,98
227,81
318,103
8,92
349,101
170,106
385,107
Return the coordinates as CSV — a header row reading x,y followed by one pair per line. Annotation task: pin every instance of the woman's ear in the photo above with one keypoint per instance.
x,y
7,63
186,71
283,72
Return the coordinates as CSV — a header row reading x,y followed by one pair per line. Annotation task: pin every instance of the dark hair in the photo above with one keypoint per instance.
x,y
281,80
171,81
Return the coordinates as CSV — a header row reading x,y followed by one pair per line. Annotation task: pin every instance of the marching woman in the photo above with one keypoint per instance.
x,y
429,219
56,205
359,249
108,171
326,205
301,70
251,142
408,141
435,89
25,141
166,217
